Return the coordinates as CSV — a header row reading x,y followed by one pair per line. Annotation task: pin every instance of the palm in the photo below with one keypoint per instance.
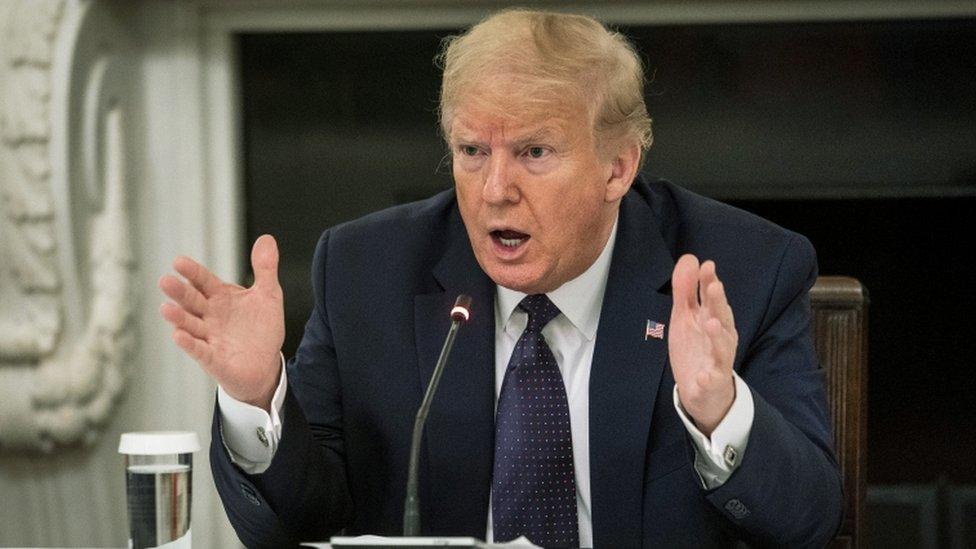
x,y
688,348
234,333
246,328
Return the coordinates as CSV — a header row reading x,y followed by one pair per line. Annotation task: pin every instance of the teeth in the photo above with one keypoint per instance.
x,y
511,242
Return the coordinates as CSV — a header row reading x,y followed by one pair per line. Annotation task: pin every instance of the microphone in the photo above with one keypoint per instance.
x,y
411,506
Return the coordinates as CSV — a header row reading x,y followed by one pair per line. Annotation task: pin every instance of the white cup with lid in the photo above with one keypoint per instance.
x,y
158,483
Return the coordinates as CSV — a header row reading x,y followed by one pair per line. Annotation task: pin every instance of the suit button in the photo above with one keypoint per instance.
x,y
737,509
250,494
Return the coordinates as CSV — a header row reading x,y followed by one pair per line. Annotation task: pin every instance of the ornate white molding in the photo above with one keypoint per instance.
x,y
66,264
30,320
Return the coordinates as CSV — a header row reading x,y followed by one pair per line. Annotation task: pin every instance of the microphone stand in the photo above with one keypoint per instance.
x,y
411,505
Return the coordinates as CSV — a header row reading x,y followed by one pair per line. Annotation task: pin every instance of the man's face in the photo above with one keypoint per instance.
x,y
533,193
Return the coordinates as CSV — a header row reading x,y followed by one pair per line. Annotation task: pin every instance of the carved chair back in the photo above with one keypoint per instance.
x,y
840,328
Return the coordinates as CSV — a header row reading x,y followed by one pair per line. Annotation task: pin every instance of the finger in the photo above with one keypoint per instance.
x,y
684,283
718,305
179,318
203,280
706,275
185,295
264,261
198,349
723,344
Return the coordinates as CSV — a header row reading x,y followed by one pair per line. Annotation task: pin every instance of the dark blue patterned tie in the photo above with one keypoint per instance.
x,y
534,487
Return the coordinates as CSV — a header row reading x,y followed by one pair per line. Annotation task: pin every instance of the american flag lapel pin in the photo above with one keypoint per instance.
x,y
654,330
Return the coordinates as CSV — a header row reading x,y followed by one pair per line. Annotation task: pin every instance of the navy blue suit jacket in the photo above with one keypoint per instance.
x,y
384,285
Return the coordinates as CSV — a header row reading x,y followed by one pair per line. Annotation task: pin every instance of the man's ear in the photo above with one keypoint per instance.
x,y
623,171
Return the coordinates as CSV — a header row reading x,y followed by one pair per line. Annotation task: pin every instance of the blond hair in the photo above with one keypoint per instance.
x,y
550,57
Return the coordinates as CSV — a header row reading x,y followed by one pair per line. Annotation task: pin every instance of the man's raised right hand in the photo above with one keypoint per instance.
x,y
234,333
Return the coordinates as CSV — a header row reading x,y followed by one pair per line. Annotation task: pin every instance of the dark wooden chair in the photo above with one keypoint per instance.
x,y
840,328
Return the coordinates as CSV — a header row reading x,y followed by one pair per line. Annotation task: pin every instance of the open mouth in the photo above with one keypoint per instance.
x,y
508,238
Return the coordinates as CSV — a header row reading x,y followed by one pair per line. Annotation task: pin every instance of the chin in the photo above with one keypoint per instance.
x,y
516,279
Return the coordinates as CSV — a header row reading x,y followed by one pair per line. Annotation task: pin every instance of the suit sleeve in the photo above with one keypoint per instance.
x,y
303,495
787,488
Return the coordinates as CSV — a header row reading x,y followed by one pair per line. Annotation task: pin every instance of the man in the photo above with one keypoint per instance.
x,y
610,389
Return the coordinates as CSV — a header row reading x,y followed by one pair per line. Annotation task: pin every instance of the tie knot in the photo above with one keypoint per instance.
x,y
541,310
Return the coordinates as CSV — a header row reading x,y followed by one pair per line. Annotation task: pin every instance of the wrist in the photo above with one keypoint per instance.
x,y
264,397
708,413
707,428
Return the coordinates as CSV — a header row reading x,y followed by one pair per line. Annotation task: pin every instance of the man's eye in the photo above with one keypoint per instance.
x,y
469,150
536,152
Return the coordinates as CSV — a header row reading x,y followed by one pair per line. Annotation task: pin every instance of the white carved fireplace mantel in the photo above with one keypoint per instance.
x,y
119,149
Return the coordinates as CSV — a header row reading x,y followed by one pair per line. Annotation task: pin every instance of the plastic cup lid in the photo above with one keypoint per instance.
x,y
154,443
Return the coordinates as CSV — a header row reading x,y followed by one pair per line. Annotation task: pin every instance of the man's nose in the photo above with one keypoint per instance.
x,y
500,180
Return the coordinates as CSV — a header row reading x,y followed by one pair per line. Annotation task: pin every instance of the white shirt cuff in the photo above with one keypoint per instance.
x,y
718,456
250,434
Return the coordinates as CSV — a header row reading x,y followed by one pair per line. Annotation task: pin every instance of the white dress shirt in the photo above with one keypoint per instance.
x,y
251,435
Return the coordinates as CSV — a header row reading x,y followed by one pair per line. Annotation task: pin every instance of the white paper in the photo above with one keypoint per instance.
x,y
520,542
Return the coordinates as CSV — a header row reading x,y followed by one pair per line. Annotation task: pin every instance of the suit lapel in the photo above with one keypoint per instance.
x,y
626,372
460,429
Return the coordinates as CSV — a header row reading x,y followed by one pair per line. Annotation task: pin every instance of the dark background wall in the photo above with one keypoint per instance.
x,y
860,135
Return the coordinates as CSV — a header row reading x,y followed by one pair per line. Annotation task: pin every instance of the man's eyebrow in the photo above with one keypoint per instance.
x,y
542,134
546,133
458,139
462,135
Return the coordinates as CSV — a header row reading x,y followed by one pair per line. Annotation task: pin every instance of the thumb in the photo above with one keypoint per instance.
x,y
264,261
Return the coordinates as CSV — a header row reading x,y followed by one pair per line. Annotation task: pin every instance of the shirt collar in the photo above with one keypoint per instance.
x,y
579,300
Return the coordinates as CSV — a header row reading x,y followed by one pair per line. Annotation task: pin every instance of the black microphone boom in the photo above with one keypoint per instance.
x,y
411,506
